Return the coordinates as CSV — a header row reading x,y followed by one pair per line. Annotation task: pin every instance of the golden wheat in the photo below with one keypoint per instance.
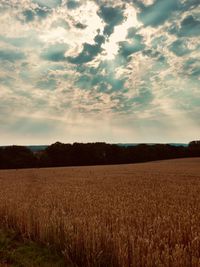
x,y
142,215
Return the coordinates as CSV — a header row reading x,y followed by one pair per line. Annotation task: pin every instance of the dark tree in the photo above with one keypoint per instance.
x,y
78,154
17,157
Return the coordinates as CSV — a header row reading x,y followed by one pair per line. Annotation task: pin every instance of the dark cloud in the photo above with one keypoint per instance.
x,y
55,52
89,51
192,67
37,13
133,46
84,82
116,84
72,4
179,48
145,97
42,13
80,26
11,55
107,82
140,102
189,27
112,16
196,72
103,83
157,13
151,53
29,15
131,33
189,5
158,41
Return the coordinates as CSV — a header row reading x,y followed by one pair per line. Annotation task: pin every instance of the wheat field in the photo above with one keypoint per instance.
x,y
141,215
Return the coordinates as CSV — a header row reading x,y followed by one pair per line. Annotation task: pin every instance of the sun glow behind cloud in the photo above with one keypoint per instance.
x,y
111,47
116,71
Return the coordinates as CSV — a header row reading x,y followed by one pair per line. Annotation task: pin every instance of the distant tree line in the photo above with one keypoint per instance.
x,y
78,154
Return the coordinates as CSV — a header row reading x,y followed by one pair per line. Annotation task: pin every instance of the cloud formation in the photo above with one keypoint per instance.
x,y
104,70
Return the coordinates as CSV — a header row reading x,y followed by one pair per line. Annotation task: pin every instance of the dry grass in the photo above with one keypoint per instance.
x,y
129,215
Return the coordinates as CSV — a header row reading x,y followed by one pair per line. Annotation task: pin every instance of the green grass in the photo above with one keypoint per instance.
x,y
18,252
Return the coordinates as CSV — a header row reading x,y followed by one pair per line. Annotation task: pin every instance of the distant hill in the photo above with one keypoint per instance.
x,y
33,148
135,144
36,148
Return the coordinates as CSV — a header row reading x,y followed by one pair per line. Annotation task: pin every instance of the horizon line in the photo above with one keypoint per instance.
x,y
112,143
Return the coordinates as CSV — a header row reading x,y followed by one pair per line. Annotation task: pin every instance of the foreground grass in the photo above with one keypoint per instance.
x,y
18,252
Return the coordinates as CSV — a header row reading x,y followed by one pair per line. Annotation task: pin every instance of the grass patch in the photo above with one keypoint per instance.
x,y
16,252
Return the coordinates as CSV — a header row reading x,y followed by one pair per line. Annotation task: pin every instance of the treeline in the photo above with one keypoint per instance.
x,y
77,154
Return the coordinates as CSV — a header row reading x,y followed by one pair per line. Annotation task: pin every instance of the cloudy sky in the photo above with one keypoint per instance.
x,y
100,70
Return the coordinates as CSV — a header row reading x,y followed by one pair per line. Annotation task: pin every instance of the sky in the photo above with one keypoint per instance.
x,y
101,70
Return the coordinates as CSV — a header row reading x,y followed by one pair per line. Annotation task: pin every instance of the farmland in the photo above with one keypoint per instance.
x,y
145,215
